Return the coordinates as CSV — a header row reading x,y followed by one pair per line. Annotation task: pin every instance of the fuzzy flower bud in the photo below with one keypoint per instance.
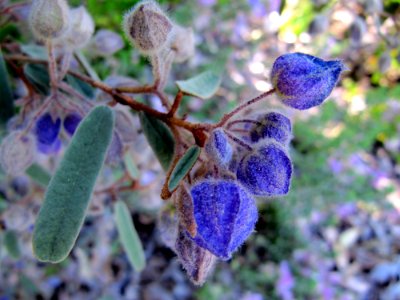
x,y
197,261
148,27
266,171
81,28
47,129
49,19
16,153
303,81
274,125
218,148
225,215
182,43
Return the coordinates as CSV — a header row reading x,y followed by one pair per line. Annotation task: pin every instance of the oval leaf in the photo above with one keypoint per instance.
x,y
129,237
131,166
159,137
11,244
38,75
38,174
6,97
69,191
204,85
82,87
184,165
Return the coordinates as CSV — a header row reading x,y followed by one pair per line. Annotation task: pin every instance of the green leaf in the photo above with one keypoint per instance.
x,y
129,237
6,96
38,174
38,75
159,137
131,166
204,85
35,51
184,165
11,244
68,194
81,86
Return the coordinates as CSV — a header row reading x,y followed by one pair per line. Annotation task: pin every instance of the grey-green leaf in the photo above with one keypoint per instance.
x,y
131,166
129,237
81,86
6,97
159,137
183,167
67,197
38,75
11,244
204,85
38,174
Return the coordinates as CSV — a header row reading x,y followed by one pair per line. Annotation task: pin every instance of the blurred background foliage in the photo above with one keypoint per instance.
x,y
323,240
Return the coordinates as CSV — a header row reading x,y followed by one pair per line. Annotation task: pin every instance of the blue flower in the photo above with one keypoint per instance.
x,y
71,122
46,131
303,81
218,148
274,125
225,215
266,171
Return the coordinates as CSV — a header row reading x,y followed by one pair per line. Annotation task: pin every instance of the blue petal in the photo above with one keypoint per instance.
x,y
303,81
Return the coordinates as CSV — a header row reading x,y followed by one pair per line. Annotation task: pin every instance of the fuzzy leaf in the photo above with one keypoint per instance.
x,y
183,167
159,137
38,75
129,237
131,166
69,191
38,174
35,51
81,86
6,97
204,85
11,244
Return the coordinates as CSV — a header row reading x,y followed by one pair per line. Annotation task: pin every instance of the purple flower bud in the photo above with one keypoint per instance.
x,y
197,261
47,130
225,215
274,126
266,171
49,149
71,122
107,42
303,81
218,148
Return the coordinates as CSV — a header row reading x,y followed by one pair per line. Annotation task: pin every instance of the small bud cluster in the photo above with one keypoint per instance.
x,y
218,211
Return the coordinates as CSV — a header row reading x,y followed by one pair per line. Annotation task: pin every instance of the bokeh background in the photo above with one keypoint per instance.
x,y
335,236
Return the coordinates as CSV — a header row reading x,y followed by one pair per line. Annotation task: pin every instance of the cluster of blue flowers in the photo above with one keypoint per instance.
x,y
47,130
256,164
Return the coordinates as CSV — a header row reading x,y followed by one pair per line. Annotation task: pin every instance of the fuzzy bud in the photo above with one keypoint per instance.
x,y
49,19
182,43
303,81
107,42
266,171
218,148
225,215
384,62
184,206
16,153
167,225
71,122
274,125
357,30
197,261
47,129
319,25
81,28
148,27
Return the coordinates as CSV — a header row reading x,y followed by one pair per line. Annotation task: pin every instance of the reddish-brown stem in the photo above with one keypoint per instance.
x,y
227,116
238,141
176,104
246,121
